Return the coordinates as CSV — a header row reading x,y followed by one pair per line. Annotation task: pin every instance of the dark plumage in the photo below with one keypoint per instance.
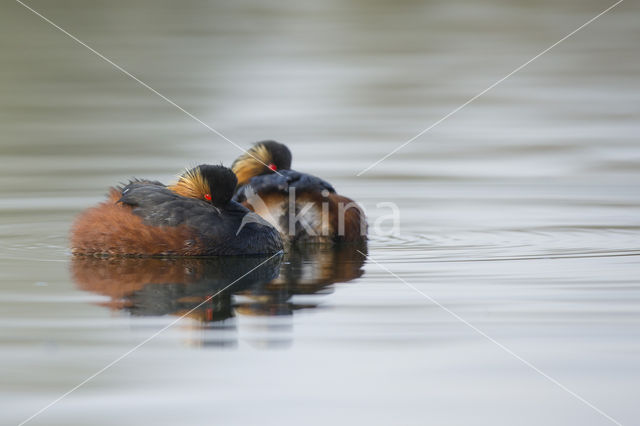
x,y
283,182
301,206
148,219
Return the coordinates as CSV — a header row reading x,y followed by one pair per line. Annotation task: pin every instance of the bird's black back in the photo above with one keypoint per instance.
x,y
283,182
215,227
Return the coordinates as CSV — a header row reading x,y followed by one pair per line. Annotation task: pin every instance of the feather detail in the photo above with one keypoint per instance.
x,y
252,163
192,184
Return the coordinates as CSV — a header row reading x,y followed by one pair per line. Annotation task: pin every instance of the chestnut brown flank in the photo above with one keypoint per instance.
x,y
353,218
112,228
353,215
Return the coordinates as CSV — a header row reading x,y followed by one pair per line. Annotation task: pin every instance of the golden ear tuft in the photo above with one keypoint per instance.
x,y
251,163
191,184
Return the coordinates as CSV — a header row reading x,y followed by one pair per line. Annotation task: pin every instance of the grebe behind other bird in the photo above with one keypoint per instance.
x,y
266,185
193,217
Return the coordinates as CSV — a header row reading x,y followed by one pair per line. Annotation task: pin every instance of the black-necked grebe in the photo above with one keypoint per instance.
x,y
194,217
303,208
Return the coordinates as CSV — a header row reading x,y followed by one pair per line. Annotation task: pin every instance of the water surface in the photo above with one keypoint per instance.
x,y
520,213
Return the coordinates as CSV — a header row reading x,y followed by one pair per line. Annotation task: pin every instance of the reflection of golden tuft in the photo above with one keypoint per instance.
x,y
252,163
192,184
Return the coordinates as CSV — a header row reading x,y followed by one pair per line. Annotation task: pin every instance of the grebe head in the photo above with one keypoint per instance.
x,y
213,184
262,158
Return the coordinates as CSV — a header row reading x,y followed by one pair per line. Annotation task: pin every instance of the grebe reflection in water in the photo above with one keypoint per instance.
x,y
175,286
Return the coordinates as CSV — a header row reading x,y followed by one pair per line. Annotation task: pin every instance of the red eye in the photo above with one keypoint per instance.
x,y
207,197
272,167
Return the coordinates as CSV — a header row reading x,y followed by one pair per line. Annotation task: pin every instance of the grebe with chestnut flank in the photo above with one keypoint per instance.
x,y
193,217
304,208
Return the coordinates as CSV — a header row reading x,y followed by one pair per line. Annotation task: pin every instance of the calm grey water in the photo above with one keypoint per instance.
x,y
520,214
